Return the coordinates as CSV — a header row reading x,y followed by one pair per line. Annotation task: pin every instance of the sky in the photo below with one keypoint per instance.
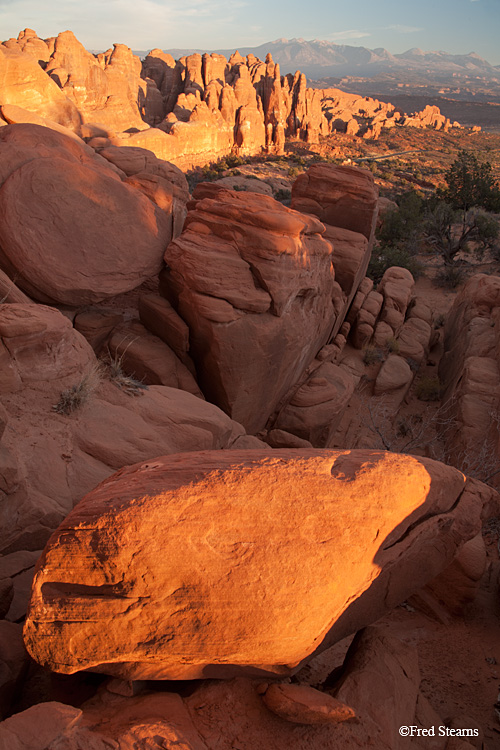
x,y
456,26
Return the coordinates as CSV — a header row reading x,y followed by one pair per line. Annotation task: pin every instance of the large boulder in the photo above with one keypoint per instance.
x,y
255,283
344,197
213,564
70,231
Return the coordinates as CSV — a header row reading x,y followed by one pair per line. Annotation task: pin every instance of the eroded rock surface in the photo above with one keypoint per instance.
x,y
49,460
215,564
469,372
255,283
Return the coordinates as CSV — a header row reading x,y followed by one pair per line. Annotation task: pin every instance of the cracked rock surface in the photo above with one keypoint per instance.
x,y
218,564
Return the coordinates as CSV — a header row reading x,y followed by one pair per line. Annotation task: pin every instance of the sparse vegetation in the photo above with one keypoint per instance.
x,y
450,233
77,395
428,388
283,195
385,257
402,227
392,345
471,183
372,355
130,385
449,277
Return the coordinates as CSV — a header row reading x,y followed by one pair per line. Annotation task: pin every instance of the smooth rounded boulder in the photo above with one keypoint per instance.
x,y
71,232
219,563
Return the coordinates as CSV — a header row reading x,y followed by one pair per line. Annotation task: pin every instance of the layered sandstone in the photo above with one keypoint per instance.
x,y
255,283
469,373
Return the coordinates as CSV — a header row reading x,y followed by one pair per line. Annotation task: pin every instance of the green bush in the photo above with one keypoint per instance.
x,y
283,195
471,183
404,224
386,257
449,277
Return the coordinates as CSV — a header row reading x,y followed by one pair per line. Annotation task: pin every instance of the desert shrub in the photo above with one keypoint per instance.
x,y
372,355
283,195
293,172
393,345
450,232
73,398
471,183
130,385
209,174
403,226
449,277
439,320
413,364
384,257
428,389
234,161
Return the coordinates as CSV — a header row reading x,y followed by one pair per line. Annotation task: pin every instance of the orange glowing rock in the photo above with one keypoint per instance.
x,y
219,563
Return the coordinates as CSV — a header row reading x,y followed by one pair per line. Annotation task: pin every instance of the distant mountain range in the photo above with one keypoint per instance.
x,y
378,73
320,59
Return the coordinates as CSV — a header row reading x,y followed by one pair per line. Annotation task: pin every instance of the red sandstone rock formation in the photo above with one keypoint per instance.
x,y
255,283
25,84
469,372
104,236
189,111
49,460
119,590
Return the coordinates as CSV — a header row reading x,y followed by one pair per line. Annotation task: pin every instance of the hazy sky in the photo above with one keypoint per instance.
x,y
457,26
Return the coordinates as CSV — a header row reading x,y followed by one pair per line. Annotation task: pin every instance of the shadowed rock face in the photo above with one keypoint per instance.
x,y
254,281
71,231
48,460
213,564
344,197
469,372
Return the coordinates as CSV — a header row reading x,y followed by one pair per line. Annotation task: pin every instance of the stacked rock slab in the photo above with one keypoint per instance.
x,y
254,281
469,373
345,200
214,564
